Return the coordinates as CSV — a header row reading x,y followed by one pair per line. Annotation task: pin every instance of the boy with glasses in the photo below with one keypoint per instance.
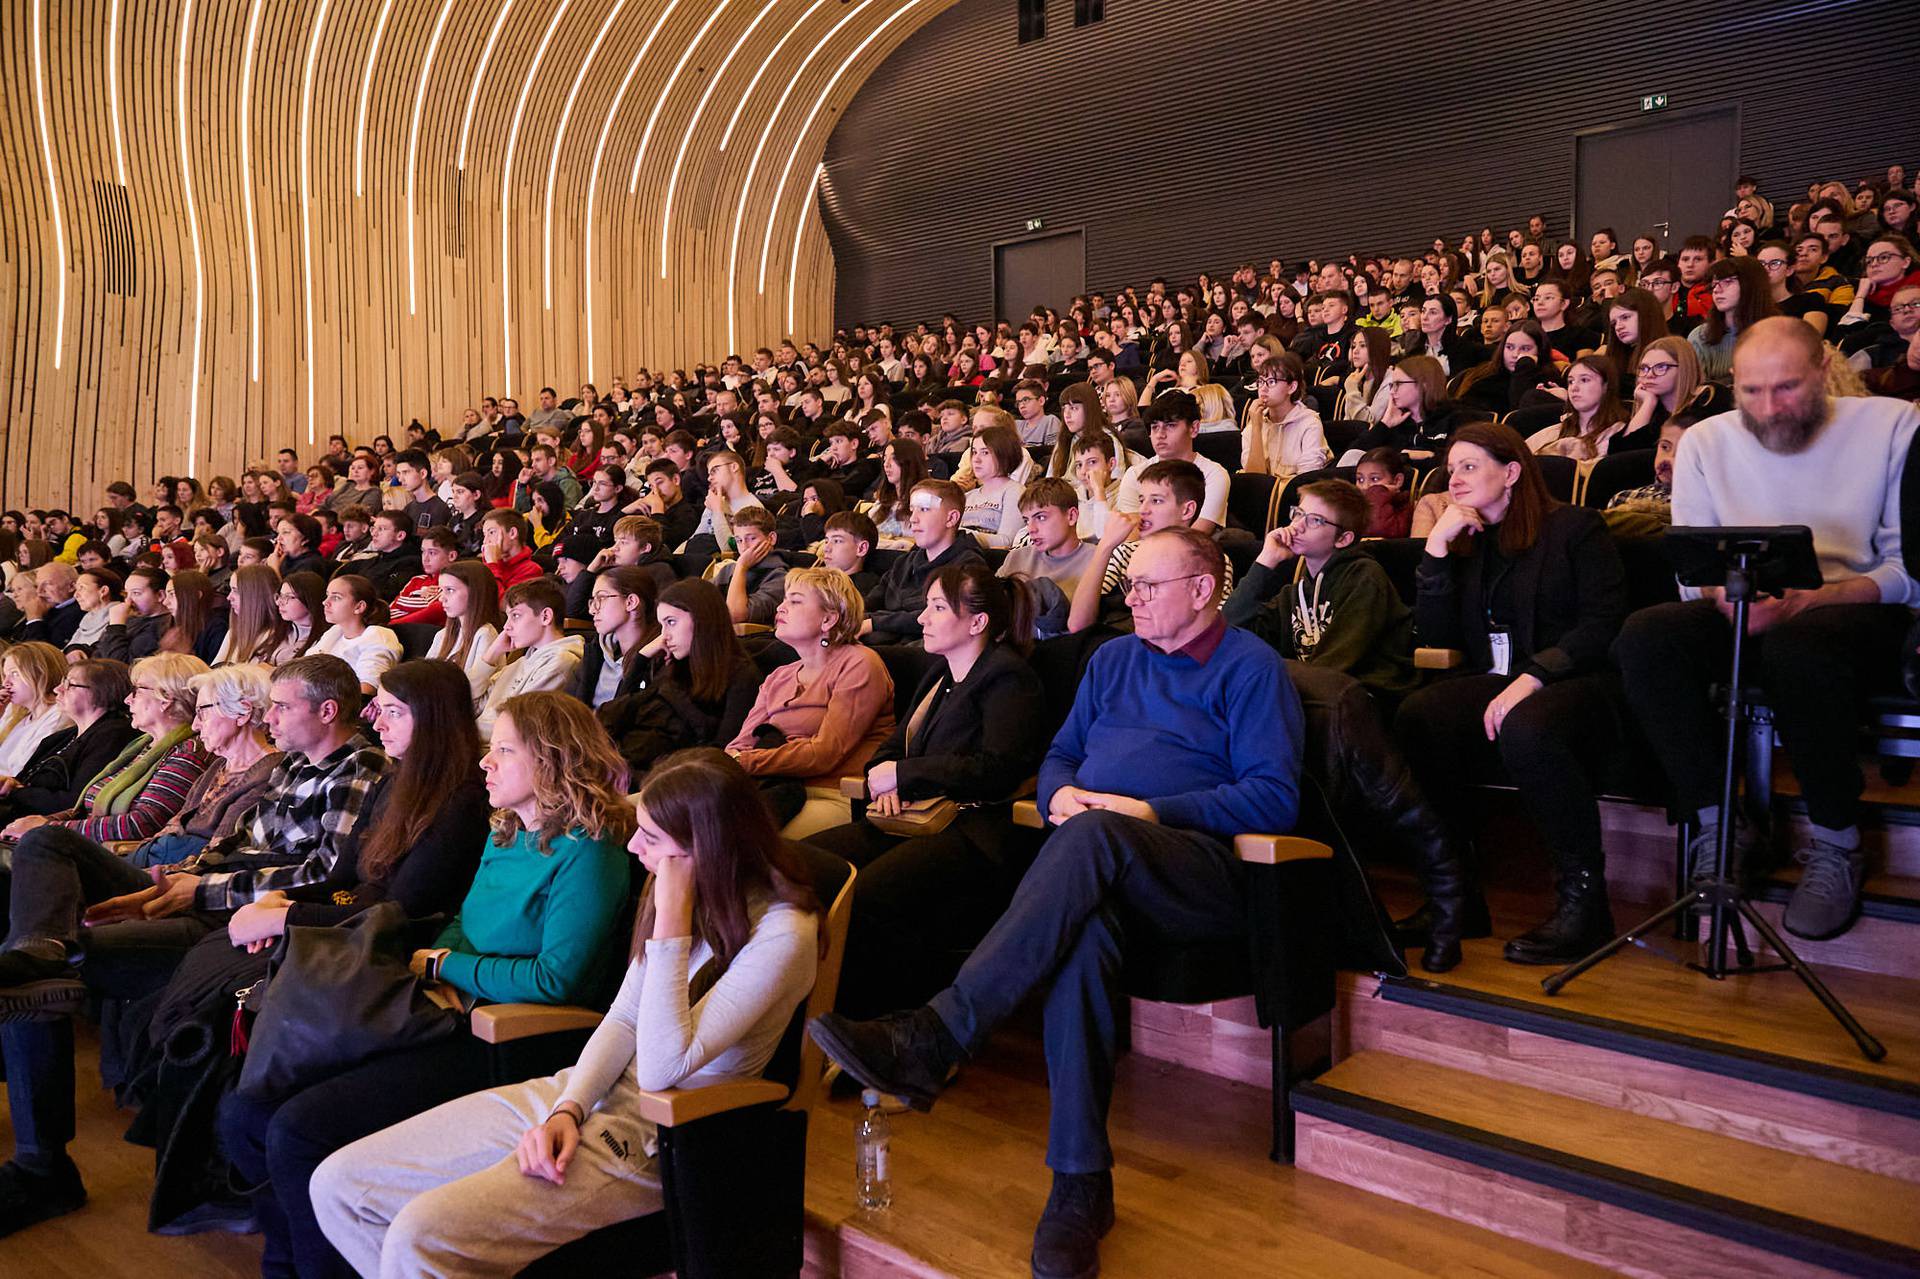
x,y
1035,425
1338,609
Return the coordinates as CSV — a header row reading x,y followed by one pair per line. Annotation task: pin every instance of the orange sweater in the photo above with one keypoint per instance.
x,y
832,726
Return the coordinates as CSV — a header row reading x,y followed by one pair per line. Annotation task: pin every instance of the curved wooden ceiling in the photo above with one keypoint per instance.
x,y
234,226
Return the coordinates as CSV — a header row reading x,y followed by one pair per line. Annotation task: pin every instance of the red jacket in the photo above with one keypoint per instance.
x,y
510,573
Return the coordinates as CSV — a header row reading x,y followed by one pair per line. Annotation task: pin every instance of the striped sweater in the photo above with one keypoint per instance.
x,y
157,802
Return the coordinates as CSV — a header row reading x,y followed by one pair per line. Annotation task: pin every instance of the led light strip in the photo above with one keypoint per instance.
x,y
506,195
666,91
246,190
480,78
560,136
753,165
593,173
773,209
306,194
799,226
413,148
366,91
53,179
713,82
193,229
113,90
726,135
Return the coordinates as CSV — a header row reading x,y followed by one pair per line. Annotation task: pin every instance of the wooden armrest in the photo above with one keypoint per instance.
x,y
684,1105
1260,850
752,628
1438,659
122,847
854,787
504,1023
578,626
1275,850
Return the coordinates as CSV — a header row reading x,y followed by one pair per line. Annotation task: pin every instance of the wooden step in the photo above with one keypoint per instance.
x,y
1195,1192
1802,1108
1598,1183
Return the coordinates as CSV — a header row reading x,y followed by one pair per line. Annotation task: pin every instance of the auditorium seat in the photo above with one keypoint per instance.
x,y
1616,473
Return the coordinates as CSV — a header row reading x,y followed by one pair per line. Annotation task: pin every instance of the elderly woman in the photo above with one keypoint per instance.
x,y
57,871
93,697
142,787
820,718
32,674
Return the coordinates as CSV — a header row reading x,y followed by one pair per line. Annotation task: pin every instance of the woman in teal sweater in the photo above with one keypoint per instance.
x,y
537,926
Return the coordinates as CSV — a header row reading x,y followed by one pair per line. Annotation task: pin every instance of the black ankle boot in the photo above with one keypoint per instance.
x,y
1580,924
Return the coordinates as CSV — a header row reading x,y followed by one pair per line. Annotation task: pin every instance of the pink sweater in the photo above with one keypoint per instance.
x,y
832,726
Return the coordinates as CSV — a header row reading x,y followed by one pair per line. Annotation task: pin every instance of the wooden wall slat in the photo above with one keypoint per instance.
x,y
118,405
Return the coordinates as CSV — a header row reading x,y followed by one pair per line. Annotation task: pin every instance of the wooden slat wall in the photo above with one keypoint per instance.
x,y
1192,137
119,404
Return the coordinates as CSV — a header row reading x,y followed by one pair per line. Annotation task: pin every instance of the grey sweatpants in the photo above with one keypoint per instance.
x,y
441,1194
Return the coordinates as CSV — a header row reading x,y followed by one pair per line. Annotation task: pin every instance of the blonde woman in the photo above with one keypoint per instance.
x,y
1189,371
31,674
1666,381
817,719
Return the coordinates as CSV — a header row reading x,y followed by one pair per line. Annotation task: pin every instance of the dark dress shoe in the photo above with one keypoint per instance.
x,y
1079,1213
907,1055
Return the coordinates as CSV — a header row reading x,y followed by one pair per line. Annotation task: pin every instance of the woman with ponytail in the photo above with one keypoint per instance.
x,y
969,739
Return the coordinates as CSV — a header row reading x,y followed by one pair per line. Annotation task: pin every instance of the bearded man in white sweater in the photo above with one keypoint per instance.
x,y
1789,454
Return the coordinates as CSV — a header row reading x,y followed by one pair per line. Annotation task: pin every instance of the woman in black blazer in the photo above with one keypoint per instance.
x,y
94,696
974,733
1534,592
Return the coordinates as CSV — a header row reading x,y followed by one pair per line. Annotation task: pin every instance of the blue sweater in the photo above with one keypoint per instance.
x,y
1213,748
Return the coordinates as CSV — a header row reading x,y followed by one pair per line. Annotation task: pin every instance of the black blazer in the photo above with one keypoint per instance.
x,y
978,741
1569,593
60,769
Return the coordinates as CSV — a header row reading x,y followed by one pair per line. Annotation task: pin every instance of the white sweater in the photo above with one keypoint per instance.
x,y
651,1039
542,668
370,652
1845,486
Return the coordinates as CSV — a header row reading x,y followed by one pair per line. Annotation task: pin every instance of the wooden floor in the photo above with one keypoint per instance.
x,y
1196,1195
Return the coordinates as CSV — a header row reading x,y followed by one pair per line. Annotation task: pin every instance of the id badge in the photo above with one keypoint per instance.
x,y
1502,650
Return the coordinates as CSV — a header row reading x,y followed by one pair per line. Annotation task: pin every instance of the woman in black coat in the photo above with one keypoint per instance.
x,y
699,688
94,697
973,734
1533,592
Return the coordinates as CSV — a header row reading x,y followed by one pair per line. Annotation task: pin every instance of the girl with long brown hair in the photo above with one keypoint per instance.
x,y
471,597
199,623
725,949
255,628
1594,416
1634,320
1532,590
703,682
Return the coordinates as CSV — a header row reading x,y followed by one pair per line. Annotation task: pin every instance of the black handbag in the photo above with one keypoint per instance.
x,y
340,996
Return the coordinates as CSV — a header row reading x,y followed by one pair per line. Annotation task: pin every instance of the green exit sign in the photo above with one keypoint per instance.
x,y
1033,224
1653,102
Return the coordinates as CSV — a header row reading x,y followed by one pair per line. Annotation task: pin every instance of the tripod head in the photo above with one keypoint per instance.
x,y
1748,562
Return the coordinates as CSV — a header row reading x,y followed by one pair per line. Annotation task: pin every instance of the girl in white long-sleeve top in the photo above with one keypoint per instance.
x,y
487,1184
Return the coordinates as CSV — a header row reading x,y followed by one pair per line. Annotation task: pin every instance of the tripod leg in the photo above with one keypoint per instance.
x,y
1553,984
1870,1048
1742,951
1684,927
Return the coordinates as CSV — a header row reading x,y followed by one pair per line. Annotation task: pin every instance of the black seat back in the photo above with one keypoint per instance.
x,y
1616,473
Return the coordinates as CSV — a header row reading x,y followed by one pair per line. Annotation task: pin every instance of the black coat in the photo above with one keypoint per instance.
x,y
66,761
664,716
1569,594
977,741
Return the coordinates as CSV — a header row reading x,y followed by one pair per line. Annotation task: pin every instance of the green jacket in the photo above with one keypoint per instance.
x,y
1351,619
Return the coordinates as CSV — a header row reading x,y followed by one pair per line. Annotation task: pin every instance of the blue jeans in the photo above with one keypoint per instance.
x,y
1097,878
166,850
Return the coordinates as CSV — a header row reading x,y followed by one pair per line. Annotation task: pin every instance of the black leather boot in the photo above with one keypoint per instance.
x,y
1454,909
1581,922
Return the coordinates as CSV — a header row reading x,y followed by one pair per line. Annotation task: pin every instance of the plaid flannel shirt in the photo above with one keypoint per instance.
x,y
294,835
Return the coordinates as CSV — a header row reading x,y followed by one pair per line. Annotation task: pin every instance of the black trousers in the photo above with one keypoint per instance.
x,y
1818,669
920,904
1551,747
1097,880
274,1146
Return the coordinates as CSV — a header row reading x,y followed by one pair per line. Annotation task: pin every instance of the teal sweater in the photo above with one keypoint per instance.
x,y
535,926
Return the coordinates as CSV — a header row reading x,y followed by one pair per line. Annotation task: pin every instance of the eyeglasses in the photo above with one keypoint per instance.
x,y
1301,515
1394,384
1902,308
1146,589
1657,369
148,689
601,597
1881,259
74,684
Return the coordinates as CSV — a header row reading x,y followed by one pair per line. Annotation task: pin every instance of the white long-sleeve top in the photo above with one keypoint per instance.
x,y
1845,486
370,652
652,1039
542,668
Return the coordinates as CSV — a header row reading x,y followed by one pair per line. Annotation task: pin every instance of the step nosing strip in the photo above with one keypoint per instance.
x,y
1813,1242
1735,1061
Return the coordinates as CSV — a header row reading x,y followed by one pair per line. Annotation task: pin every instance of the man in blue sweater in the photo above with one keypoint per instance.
x,y
1184,734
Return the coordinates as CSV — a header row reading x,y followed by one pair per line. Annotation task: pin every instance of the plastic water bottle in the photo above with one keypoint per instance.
x,y
873,1184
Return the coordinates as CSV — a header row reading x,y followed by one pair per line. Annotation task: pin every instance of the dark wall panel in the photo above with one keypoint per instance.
x,y
1186,137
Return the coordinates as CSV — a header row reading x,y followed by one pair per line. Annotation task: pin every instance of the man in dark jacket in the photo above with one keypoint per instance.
x,y
893,607
395,561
